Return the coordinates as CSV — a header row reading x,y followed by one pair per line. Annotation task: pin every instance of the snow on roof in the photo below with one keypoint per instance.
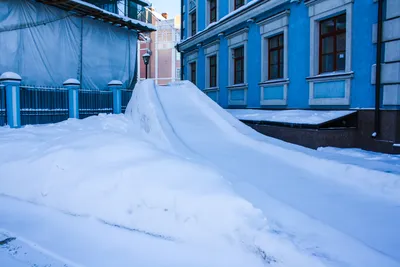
x,y
145,26
156,14
308,117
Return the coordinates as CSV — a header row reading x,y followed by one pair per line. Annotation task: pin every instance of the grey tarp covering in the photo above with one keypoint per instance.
x,y
46,46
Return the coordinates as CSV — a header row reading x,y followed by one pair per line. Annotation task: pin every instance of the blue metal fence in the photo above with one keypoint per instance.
x,y
125,97
3,114
40,105
94,102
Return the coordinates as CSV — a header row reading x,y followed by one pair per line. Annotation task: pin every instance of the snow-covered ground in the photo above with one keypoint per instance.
x,y
180,182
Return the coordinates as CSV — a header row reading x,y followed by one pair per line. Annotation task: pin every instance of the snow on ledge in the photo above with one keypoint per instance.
x,y
10,76
309,117
115,82
72,82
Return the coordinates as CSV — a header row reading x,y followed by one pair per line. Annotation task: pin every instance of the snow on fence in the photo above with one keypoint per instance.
x,y
3,117
40,105
125,97
94,102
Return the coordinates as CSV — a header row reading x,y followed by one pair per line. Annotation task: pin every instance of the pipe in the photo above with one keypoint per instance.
x,y
182,70
378,70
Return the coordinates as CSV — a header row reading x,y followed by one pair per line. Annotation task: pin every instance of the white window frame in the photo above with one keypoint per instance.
x,y
278,24
270,28
232,4
209,51
190,12
319,10
236,40
208,12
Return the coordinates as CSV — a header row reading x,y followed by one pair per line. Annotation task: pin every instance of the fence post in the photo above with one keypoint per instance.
x,y
12,82
73,97
115,86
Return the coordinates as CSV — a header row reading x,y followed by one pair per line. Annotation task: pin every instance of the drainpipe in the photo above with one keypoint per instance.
x,y
378,70
182,3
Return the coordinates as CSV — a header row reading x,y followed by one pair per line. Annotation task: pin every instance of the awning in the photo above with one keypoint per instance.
x,y
81,8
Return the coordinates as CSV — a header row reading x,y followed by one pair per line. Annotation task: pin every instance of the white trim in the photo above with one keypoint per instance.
x,y
314,31
274,102
331,101
267,32
327,78
317,11
236,40
237,102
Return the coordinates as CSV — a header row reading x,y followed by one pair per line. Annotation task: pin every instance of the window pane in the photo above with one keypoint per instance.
x,y
341,22
327,63
341,42
238,66
273,57
327,45
273,42
328,26
340,61
238,52
281,40
273,71
280,76
281,56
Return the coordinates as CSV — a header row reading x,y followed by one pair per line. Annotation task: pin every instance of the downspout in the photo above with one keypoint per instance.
x,y
182,71
378,70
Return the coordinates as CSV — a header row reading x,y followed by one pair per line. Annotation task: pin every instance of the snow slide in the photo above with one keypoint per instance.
x,y
343,214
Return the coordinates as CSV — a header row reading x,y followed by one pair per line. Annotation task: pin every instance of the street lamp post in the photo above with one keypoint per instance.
x,y
146,59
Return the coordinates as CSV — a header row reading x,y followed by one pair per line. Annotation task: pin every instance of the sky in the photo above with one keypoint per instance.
x,y
172,7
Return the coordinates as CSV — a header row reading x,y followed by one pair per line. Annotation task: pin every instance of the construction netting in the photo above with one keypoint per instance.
x,y
47,45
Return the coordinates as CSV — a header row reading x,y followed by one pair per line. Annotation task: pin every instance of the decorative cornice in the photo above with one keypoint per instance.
x,y
233,20
274,17
314,2
241,31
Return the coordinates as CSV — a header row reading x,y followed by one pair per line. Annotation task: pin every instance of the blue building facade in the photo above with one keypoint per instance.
x,y
294,54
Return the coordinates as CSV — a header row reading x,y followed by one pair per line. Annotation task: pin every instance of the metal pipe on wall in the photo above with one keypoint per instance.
x,y
378,70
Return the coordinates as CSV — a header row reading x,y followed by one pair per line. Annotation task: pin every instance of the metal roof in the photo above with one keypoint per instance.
x,y
84,9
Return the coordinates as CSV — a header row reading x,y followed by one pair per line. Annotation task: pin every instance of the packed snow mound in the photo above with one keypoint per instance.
x,y
101,168
148,110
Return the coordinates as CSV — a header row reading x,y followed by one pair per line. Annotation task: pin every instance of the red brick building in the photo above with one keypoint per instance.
x,y
164,66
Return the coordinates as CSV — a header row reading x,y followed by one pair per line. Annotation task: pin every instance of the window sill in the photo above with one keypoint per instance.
x,y
211,89
237,86
331,76
274,82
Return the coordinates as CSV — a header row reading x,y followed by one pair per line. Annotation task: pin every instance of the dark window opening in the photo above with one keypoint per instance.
x,y
213,71
193,23
275,57
238,68
193,72
213,11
